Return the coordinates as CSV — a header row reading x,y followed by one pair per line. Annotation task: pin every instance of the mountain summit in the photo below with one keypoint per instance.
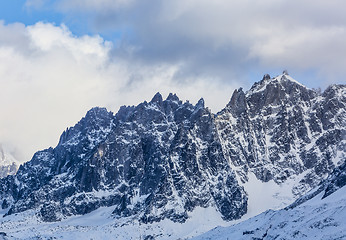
x,y
8,163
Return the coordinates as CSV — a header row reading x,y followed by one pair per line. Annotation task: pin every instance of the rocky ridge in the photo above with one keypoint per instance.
x,y
158,160
163,158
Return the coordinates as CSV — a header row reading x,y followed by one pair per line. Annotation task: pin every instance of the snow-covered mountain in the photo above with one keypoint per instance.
x,y
8,163
164,162
317,215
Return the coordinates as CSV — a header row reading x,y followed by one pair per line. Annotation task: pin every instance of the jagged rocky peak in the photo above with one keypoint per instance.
x,y
237,104
172,106
268,93
97,112
280,81
157,98
96,120
336,91
277,91
266,77
200,103
8,163
173,97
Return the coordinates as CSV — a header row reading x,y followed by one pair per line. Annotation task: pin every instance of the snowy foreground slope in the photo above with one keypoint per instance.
x,y
323,219
168,169
320,214
100,224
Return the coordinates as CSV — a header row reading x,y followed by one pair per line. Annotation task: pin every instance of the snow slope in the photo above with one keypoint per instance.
x,y
100,224
321,217
268,195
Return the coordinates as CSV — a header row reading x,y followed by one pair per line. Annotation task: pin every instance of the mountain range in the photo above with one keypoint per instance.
x,y
172,161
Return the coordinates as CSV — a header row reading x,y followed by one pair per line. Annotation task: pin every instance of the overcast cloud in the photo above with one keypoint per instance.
x,y
228,39
50,76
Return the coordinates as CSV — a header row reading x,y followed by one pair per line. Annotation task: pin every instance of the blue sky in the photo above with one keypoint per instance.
x,y
17,11
59,58
21,11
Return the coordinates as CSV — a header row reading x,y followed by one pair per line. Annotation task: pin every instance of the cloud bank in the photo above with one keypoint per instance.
x,y
49,78
226,38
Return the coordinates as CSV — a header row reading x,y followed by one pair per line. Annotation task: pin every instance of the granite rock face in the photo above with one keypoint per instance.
x,y
164,158
280,128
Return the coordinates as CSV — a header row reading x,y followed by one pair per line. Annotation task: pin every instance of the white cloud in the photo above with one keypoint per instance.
x,y
49,78
228,38
305,48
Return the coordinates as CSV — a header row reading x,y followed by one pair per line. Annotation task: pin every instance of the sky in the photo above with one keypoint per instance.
x,y
59,58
